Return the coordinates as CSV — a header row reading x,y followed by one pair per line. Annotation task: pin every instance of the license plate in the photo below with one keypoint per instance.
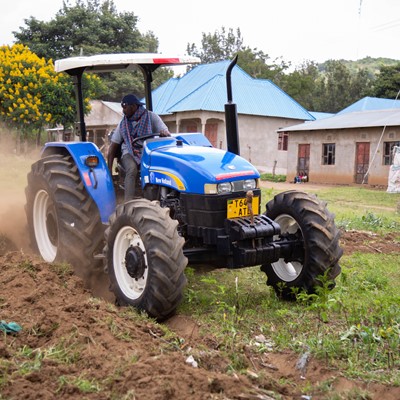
x,y
238,207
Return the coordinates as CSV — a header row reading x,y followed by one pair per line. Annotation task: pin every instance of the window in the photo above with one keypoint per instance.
x,y
388,152
283,141
328,154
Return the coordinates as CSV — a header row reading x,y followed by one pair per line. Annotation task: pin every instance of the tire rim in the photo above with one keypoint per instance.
x,y
45,226
287,271
131,288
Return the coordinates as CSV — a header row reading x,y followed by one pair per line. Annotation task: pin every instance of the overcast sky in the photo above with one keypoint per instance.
x,y
295,30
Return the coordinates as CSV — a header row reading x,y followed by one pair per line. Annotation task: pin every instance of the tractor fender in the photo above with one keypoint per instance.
x,y
97,180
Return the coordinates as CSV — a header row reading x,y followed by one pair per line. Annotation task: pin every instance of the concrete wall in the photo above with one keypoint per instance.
x,y
343,171
259,142
101,115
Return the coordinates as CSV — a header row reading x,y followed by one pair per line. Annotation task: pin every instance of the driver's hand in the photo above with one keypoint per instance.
x,y
164,134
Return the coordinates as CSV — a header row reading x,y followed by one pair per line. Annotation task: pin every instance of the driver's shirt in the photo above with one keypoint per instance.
x,y
157,126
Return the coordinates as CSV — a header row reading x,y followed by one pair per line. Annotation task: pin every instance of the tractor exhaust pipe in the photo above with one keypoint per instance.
x,y
231,117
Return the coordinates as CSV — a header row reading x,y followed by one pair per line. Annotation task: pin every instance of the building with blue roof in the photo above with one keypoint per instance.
x,y
196,102
354,146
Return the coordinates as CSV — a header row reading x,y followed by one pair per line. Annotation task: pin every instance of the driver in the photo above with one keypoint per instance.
x,y
136,122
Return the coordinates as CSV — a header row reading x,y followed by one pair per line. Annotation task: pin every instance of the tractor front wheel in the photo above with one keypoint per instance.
x,y
306,218
144,256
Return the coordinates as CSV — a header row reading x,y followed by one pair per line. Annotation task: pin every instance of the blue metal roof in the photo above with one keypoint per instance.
x,y
204,88
321,115
371,103
357,119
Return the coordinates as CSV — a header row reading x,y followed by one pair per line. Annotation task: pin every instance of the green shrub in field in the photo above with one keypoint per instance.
x,y
273,178
370,222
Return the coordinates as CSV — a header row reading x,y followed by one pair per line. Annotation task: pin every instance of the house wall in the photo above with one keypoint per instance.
x,y
258,137
343,171
101,115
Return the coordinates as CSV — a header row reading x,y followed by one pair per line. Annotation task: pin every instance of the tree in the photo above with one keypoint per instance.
x,y
361,84
387,83
335,87
86,28
302,85
338,87
93,27
221,45
327,87
33,95
255,63
226,44
22,78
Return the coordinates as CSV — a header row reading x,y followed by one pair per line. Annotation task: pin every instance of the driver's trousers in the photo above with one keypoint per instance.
x,y
131,172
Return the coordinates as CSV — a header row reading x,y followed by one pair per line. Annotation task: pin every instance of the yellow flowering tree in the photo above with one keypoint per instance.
x,y
33,95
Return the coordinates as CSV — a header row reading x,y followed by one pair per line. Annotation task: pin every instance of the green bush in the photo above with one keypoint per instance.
x,y
273,178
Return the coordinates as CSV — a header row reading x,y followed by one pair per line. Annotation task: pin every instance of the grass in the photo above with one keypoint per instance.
x,y
358,208
27,360
347,202
272,178
84,385
63,270
354,328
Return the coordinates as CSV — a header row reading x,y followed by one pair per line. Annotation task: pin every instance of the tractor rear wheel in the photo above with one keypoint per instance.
x,y
144,255
307,218
63,221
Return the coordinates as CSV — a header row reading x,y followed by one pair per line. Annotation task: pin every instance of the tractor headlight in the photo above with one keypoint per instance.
x,y
224,187
249,184
229,187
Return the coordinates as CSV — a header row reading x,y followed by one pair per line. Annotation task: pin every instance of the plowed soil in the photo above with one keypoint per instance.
x,y
73,333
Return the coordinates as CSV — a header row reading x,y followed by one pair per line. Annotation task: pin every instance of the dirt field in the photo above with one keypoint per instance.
x,y
130,358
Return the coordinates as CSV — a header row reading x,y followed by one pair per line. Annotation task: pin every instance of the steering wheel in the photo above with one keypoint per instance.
x,y
143,138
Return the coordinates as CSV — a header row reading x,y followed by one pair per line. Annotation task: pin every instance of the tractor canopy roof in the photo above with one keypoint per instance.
x,y
145,62
121,62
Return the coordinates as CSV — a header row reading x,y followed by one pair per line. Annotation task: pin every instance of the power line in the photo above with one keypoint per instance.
x,y
387,25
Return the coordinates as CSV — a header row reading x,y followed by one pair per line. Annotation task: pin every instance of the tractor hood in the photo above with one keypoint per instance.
x,y
188,162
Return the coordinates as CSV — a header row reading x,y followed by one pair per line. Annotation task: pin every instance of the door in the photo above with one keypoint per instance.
x,y
191,128
362,162
211,133
303,160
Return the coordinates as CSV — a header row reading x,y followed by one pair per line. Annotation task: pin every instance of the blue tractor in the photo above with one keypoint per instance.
x,y
199,206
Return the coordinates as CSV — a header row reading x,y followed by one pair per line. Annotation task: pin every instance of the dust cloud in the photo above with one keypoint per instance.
x,y
13,171
14,234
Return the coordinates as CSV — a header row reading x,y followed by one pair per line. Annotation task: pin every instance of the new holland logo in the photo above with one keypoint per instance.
x,y
166,179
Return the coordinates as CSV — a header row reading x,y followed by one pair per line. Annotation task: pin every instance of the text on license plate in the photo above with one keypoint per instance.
x,y
238,207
